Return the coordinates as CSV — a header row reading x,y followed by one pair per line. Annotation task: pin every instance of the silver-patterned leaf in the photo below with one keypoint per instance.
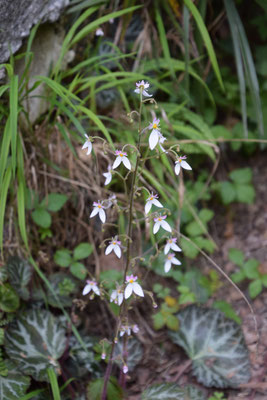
x,y
14,385
19,273
215,345
171,391
134,350
36,340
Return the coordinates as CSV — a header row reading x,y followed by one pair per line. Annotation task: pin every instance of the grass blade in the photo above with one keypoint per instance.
x,y
206,38
4,150
54,384
32,394
3,197
21,194
13,104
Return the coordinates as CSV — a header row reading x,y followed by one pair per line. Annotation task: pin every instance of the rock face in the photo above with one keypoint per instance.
x,y
17,18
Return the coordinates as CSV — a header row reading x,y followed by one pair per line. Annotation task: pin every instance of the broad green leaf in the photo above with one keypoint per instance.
x,y
172,322
36,340
3,274
55,201
83,250
19,273
135,352
215,345
255,288
238,276
9,300
227,309
114,391
236,256
228,192
194,229
41,217
188,248
251,268
63,257
14,385
158,320
205,215
81,362
242,175
171,391
245,193
78,270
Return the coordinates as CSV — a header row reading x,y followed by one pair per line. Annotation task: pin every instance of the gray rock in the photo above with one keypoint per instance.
x,y
17,18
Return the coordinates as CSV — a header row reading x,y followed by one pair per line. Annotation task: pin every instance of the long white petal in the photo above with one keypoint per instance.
x,y
120,298
102,215
166,226
94,212
87,289
176,261
96,290
128,290
89,148
177,168
185,165
117,250
148,206
167,248
113,295
137,91
153,139
126,163
167,266
116,162
137,289
108,177
109,249
174,247
156,227
146,94
157,203
85,145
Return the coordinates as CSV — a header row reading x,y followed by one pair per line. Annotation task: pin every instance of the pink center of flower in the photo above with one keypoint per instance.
x,y
131,279
170,256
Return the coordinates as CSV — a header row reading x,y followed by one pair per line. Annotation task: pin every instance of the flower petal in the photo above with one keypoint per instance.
x,y
153,139
185,165
167,266
109,249
157,203
126,163
167,248
148,206
146,94
87,289
94,212
120,298
176,261
177,168
89,148
117,250
137,289
174,247
116,162
128,290
166,226
156,227
102,215
96,290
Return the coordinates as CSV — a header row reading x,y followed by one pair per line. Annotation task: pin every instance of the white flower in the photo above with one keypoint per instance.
x,y
98,209
114,245
171,244
125,329
103,356
162,140
181,163
135,328
88,144
99,32
141,87
117,297
91,285
132,286
108,176
152,199
169,261
159,222
121,157
155,134
125,369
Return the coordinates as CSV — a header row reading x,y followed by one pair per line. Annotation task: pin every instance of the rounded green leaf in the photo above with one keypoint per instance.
x,y
245,193
55,201
228,192
83,250
19,274
255,288
78,270
14,385
41,217
63,258
171,391
9,300
236,256
241,175
215,345
251,269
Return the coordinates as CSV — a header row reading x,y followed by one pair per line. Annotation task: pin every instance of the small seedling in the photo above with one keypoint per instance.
x,y
66,258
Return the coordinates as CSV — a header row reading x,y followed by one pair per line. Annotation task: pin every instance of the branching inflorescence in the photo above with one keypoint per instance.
x,y
124,295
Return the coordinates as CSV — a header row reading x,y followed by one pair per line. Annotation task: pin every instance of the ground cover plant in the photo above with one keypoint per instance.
x,y
132,212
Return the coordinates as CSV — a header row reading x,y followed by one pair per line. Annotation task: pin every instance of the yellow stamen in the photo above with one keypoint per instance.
x,y
155,126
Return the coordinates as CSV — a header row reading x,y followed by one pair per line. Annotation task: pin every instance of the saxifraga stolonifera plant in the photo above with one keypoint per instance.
x,y
131,290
